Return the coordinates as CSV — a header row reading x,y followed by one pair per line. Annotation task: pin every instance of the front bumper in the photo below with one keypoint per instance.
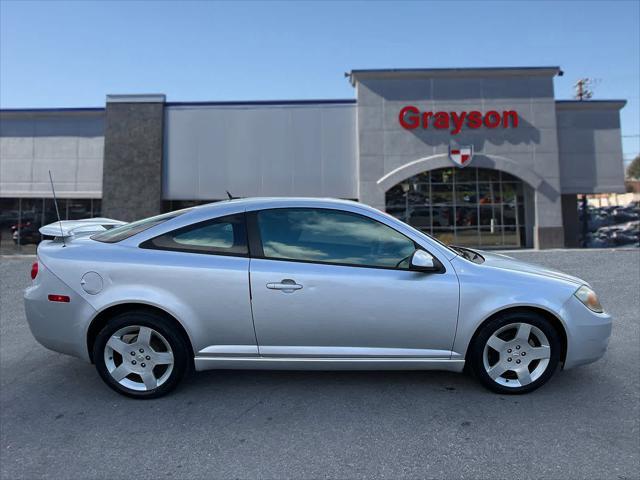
x,y
61,327
587,333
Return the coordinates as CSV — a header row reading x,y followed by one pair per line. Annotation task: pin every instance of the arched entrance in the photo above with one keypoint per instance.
x,y
478,207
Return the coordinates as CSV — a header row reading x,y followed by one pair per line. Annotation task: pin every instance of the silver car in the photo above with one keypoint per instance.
x,y
288,283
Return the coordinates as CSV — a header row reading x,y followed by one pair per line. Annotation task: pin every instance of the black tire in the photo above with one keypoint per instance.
x,y
165,327
475,354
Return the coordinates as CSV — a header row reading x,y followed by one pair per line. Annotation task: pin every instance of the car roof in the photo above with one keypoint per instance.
x,y
254,203
230,207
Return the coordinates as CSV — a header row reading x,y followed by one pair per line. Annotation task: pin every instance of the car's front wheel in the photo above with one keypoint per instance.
x,y
141,354
516,352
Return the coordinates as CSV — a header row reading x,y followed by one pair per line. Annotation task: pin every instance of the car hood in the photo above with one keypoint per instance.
x,y
505,262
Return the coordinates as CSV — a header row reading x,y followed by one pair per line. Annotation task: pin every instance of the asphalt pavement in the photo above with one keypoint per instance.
x,y
58,420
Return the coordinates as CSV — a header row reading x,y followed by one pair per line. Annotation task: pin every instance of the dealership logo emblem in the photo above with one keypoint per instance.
x,y
462,155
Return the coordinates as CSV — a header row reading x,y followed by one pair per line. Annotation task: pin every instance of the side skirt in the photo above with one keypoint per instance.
x,y
306,363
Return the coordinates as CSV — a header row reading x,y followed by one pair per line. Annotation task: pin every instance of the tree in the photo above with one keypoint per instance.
x,y
633,170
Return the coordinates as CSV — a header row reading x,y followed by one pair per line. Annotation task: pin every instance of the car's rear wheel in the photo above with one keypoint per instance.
x,y
141,354
516,352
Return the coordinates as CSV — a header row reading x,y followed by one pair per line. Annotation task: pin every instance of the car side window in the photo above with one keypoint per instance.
x,y
332,236
223,236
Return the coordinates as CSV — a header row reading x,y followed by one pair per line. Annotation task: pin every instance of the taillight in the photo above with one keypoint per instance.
x,y
34,271
59,298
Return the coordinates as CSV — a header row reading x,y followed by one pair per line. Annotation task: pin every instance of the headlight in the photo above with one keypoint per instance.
x,y
589,298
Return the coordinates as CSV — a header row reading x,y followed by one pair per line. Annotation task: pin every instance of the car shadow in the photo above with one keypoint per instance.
x,y
67,376
409,381
328,378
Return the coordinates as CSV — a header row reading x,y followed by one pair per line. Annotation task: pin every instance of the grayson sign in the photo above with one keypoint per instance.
x,y
411,117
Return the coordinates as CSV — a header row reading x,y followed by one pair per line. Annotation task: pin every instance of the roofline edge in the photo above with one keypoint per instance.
x,y
455,72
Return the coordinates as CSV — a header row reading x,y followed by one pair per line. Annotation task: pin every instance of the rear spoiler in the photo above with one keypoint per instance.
x,y
71,228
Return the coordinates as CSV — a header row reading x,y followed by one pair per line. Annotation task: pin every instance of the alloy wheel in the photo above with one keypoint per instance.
x,y
139,358
516,355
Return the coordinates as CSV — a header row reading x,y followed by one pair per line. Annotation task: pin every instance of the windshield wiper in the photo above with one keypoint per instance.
x,y
460,251
466,252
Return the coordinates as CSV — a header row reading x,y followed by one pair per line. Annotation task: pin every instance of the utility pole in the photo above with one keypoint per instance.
x,y
582,89
585,221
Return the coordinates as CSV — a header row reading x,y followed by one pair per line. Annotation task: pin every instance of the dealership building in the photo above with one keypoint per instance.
x,y
475,156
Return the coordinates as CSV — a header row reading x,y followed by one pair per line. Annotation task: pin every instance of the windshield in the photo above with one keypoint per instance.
x,y
130,229
431,237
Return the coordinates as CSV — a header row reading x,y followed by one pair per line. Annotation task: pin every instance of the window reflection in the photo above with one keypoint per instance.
x,y
225,235
219,236
333,237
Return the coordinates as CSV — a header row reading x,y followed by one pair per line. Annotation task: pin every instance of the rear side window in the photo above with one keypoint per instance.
x,y
221,236
130,229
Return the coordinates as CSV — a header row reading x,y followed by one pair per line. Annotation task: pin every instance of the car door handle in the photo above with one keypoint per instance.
x,y
287,285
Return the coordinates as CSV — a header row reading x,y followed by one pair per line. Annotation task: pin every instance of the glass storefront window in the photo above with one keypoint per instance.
x,y
398,212
512,236
21,219
419,197
467,216
509,215
507,177
423,177
445,235
420,217
49,211
9,218
441,193
442,217
78,209
25,232
487,192
510,192
395,196
467,237
467,175
442,175
96,208
466,193
490,215
470,206
487,175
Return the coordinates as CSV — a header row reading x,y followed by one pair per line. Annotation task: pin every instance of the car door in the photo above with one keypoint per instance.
x,y
202,270
333,283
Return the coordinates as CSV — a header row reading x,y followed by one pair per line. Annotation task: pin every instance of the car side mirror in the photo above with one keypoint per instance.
x,y
424,262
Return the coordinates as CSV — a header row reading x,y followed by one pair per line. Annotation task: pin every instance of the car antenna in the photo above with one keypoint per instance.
x,y
231,197
55,202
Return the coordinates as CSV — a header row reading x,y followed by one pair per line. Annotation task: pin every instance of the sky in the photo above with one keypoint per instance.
x,y
71,54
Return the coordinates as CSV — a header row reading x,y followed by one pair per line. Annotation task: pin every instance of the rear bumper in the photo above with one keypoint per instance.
x,y
587,333
61,327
